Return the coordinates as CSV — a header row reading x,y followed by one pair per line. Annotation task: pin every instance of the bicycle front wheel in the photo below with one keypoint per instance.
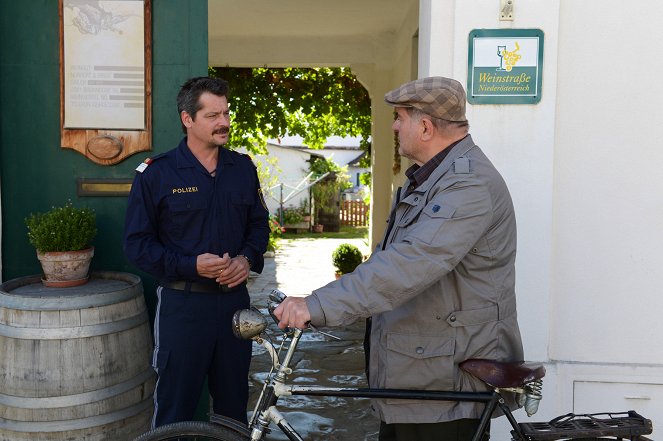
x,y
192,431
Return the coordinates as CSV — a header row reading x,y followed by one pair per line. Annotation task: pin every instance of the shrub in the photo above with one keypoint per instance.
x,y
346,257
275,232
292,215
62,228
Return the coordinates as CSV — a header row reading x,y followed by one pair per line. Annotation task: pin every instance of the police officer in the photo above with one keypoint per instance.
x,y
197,222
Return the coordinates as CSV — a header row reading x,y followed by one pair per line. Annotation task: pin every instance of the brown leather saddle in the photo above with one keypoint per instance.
x,y
503,374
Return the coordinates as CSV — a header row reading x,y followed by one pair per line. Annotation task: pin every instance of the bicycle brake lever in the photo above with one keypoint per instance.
x,y
313,328
271,306
277,296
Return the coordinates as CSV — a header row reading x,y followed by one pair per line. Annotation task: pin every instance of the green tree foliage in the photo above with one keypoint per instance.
x,y
320,166
314,103
268,170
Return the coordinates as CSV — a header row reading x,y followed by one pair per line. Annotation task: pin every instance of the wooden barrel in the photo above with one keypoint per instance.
x,y
75,362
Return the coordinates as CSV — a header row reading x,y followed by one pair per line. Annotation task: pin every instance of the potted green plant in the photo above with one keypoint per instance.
x,y
345,258
317,228
305,210
62,237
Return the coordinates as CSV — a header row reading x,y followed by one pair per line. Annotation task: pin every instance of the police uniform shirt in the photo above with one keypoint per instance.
x,y
177,211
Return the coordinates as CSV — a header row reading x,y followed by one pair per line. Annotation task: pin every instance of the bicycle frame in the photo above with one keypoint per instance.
x,y
250,324
275,386
520,378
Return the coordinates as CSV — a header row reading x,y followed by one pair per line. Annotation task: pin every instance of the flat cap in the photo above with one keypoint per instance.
x,y
439,97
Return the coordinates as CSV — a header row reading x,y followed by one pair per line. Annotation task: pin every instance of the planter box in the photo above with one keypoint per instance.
x,y
300,227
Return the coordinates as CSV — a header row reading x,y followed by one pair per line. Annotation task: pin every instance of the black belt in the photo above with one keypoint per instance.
x,y
181,285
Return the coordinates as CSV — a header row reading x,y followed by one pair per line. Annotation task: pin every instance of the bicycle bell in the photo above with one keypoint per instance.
x,y
248,323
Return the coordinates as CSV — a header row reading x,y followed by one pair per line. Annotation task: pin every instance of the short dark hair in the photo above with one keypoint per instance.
x,y
188,99
440,124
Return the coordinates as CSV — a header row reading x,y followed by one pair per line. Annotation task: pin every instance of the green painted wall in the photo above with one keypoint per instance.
x,y
35,172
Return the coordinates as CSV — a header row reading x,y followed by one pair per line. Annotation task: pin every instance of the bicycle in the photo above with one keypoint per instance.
x,y
523,379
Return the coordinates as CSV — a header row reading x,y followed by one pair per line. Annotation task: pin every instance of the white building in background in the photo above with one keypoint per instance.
x,y
346,153
286,176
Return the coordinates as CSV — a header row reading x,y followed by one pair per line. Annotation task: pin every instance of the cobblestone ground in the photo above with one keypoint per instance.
x,y
298,267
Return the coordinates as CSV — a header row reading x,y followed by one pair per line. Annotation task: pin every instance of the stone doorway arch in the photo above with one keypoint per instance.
x,y
377,39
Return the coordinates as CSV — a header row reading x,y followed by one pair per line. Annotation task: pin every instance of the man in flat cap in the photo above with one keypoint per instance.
x,y
439,288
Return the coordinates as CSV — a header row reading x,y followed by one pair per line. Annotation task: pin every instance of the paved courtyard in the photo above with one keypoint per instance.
x,y
299,266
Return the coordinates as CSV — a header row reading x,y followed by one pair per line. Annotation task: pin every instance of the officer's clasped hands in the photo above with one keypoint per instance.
x,y
235,272
211,266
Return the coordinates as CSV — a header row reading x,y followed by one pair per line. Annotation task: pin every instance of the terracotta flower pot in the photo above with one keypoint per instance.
x,y
66,268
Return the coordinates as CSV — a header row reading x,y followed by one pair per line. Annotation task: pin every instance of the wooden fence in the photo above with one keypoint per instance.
x,y
354,213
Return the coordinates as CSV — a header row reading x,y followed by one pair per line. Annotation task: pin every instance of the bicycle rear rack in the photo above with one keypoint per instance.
x,y
623,425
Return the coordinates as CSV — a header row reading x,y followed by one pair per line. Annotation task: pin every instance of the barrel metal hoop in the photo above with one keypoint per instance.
x,y
77,399
77,424
74,331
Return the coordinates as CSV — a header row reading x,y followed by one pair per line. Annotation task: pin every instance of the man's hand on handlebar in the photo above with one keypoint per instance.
x,y
293,313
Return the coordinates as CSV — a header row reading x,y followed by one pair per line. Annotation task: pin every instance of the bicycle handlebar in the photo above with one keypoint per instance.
x,y
275,299
277,296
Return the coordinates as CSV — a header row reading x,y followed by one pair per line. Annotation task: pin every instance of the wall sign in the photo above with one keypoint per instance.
x,y
103,187
105,78
505,66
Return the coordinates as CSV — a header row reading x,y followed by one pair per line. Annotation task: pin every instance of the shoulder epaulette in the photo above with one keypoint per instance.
x,y
462,165
143,165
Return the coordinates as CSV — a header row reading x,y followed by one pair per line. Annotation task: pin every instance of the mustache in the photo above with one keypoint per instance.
x,y
222,130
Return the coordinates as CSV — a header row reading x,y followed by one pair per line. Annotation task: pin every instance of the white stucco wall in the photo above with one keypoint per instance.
x,y
605,334
608,226
583,167
343,157
339,156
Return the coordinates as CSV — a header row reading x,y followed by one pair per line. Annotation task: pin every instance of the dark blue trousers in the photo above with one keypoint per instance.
x,y
193,339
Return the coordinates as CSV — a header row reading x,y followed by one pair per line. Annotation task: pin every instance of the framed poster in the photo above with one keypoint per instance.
x,y
105,78
505,66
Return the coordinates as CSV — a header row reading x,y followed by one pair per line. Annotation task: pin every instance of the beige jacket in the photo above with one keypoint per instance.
x,y
440,292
